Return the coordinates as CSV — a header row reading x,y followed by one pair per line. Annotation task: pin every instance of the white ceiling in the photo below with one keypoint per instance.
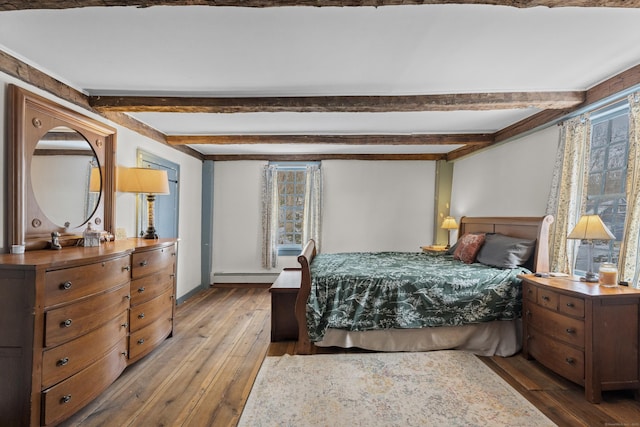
x,y
312,51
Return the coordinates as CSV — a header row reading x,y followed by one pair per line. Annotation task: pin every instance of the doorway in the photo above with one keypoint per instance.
x,y
166,206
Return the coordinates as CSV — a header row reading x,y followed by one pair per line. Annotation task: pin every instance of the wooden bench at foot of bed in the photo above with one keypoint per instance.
x,y
520,227
284,292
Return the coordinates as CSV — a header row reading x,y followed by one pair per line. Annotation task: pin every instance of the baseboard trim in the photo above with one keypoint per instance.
x,y
244,278
191,293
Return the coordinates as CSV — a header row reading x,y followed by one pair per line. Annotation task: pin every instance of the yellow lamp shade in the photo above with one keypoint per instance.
x,y
591,227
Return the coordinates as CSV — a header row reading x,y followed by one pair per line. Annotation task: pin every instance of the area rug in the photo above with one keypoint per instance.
x,y
439,388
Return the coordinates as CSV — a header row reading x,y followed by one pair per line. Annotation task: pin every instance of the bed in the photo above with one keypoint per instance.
x,y
395,301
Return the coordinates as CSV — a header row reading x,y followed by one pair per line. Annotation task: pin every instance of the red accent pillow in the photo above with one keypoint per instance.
x,y
468,247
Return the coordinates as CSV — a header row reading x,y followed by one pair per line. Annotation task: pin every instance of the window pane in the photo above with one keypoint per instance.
x,y
606,186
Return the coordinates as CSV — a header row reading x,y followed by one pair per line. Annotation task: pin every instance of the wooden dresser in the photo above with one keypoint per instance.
x,y
71,323
587,333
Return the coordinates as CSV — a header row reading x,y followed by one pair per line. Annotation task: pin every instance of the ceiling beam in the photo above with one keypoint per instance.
x,y
426,139
341,104
320,157
69,4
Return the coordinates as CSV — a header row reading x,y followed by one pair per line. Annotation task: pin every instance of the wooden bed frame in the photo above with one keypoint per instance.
x,y
521,227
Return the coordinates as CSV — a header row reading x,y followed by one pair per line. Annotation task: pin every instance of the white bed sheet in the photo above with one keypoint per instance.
x,y
499,338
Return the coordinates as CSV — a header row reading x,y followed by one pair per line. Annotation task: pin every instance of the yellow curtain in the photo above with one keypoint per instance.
x,y
566,201
628,263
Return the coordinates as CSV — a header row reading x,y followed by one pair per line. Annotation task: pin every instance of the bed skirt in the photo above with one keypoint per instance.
x,y
497,338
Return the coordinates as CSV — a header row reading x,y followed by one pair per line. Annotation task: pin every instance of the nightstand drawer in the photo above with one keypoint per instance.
x,y
530,292
561,358
556,325
571,306
548,299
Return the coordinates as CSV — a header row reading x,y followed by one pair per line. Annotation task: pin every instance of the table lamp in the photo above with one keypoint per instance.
x,y
145,180
590,228
449,224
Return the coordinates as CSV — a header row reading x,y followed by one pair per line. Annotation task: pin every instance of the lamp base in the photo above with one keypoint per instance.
x,y
150,234
590,277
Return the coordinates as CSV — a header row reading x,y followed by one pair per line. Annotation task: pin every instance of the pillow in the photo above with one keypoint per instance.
x,y
504,251
468,247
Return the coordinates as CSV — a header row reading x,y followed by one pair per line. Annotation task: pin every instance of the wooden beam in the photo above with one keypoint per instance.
x,y
428,139
343,104
319,157
610,87
146,130
68,4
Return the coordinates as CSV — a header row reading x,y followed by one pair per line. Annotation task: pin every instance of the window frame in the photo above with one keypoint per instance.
x,y
283,166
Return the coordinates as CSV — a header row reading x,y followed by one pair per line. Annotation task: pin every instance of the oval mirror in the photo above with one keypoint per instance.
x,y
66,177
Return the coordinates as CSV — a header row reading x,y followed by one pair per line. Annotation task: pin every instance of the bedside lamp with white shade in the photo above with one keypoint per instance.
x,y
449,224
590,228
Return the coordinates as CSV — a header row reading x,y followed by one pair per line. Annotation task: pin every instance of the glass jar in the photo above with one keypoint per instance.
x,y
608,274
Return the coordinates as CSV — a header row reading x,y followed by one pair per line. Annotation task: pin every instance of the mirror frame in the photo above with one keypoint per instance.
x,y
30,118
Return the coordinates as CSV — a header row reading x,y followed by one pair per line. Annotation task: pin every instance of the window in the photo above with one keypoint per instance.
x,y
291,193
606,187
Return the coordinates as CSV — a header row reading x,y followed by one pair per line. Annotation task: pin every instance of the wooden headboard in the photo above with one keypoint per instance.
x,y
522,227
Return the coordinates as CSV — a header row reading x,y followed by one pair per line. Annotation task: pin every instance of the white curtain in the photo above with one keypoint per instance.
x,y
312,216
629,251
270,217
568,185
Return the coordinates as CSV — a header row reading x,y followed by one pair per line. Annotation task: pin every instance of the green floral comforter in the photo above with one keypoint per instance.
x,y
362,291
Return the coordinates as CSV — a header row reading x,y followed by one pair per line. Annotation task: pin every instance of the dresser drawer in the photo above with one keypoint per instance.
x,y
561,358
147,262
77,282
149,287
556,325
150,311
65,360
143,341
73,320
62,400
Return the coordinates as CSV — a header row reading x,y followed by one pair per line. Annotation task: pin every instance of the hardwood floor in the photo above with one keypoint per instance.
x,y
203,375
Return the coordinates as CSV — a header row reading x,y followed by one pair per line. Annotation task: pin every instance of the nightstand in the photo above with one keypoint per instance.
x,y
434,248
584,332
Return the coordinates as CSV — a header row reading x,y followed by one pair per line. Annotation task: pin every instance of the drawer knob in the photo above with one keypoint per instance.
x,y
570,304
141,290
172,275
143,263
141,316
124,353
65,399
66,323
570,360
126,268
528,313
125,324
545,298
141,341
570,331
63,361
65,286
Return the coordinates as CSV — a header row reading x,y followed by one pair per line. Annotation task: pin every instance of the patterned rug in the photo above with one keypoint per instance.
x,y
439,388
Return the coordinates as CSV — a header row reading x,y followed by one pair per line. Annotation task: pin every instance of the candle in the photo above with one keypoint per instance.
x,y
608,274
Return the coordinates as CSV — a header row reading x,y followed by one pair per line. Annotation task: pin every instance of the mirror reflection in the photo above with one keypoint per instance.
x,y
65,177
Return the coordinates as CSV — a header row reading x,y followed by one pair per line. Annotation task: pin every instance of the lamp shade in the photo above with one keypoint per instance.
x,y
143,180
95,181
449,223
591,227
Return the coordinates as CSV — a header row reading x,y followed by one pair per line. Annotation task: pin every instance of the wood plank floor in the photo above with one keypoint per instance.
x,y
204,373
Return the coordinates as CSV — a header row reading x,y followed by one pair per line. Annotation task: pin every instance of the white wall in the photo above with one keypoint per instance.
x,y
512,179
367,206
377,205
127,144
